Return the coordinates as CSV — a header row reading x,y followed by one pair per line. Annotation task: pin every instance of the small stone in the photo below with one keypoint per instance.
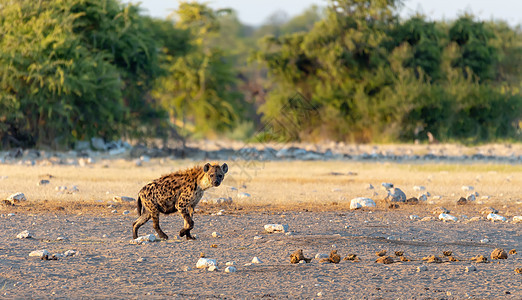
x,y
69,253
471,197
17,197
471,269
412,201
40,253
320,294
61,188
10,214
121,199
361,202
467,188
257,237
462,201
423,197
494,217
387,185
144,239
422,269
125,212
43,182
271,228
384,260
475,219
432,259
114,211
414,217
321,255
517,219
205,263
212,268
419,188
230,263
447,218
256,260
396,195
24,235
216,235
427,219
141,259
187,268
499,253
230,269
479,259
243,195
484,241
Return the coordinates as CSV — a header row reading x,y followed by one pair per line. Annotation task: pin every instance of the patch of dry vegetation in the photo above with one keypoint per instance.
x,y
273,186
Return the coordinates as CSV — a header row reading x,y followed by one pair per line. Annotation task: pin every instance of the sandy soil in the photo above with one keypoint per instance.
x,y
311,197
107,265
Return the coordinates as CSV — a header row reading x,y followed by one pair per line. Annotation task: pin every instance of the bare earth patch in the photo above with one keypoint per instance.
x,y
305,195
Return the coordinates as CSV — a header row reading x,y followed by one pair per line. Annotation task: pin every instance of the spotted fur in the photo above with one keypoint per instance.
x,y
178,191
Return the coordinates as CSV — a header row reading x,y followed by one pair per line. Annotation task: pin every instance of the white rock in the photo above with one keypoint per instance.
x,y
230,263
57,255
414,217
471,197
257,237
141,259
423,197
10,214
419,188
230,269
494,217
216,235
447,218
485,197
17,197
212,268
467,188
387,185
126,212
24,235
271,228
187,268
422,269
321,255
40,253
517,219
475,219
145,239
69,253
471,269
396,195
145,158
361,202
60,188
437,197
256,260
120,199
247,264
243,195
484,241
205,263
114,211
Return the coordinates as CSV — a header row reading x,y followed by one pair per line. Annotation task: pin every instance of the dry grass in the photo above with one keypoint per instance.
x,y
273,185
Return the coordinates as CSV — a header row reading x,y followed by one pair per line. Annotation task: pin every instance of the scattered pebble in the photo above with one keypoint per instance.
x,y
499,253
17,197
387,185
257,237
448,218
271,228
384,260
422,269
43,182
40,253
216,235
69,253
471,269
467,188
494,217
230,263
462,201
475,219
187,268
414,217
120,199
427,219
205,263
145,239
517,219
242,195
10,214
419,188
361,202
321,255
396,195
230,269
141,259
484,241
256,260
24,235
126,212
212,268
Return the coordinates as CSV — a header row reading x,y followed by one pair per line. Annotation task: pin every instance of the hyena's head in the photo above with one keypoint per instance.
x,y
214,173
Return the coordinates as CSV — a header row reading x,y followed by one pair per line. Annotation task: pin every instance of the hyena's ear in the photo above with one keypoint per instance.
x,y
206,167
224,167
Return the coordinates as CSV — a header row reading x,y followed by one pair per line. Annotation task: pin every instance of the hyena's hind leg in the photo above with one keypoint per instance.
x,y
189,223
155,225
144,217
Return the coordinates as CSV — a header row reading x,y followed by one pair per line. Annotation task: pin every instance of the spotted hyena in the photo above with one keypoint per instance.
x,y
178,191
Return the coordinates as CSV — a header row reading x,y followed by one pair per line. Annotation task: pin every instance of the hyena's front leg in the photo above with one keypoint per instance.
x,y
187,212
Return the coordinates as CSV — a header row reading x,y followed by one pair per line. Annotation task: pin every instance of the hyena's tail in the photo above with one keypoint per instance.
x,y
139,206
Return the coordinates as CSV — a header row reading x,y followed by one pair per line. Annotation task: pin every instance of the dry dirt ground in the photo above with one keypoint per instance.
x,y
307,196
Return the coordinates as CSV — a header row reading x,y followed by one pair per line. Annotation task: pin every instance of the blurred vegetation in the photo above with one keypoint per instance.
x,y
352,71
